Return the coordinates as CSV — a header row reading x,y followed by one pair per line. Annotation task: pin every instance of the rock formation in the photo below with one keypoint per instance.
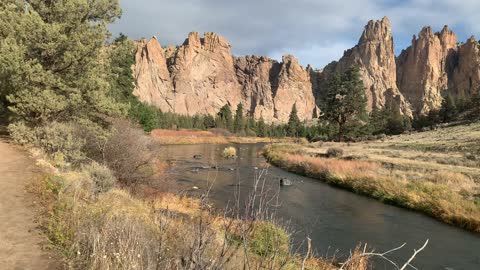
x,y
201,76
375,57
151,72
258,77
423,69
466,76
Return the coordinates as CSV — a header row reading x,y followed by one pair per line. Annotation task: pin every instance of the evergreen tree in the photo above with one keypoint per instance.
x,y
293,122
224,118
262,128
345,101
239,122
54,66
396,123
474,114
448,111
208,121
198,122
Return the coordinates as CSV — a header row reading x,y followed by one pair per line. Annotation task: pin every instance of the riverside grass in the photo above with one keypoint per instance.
x,y
117,230
435,199
182,137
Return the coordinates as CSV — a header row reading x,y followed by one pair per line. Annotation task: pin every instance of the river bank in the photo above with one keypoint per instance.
x,y
183,137
122,228
396,172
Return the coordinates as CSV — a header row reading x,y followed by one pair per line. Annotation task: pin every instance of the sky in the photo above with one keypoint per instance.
x,y
315,31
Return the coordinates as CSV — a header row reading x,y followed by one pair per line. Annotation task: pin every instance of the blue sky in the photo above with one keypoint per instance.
x,y
315,31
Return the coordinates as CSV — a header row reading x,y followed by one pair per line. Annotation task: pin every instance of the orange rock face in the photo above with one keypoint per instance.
x,y
201,76
374,55
423,69
466,75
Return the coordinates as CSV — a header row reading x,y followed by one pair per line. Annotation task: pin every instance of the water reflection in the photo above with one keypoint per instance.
x,y
335,219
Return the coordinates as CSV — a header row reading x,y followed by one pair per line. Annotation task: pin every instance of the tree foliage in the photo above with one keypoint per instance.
x,y
239,121
294,124
54,65
345,101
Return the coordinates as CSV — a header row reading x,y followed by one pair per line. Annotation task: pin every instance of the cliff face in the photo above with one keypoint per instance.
x,y
423,70
201,76
466,76
154,84
374,55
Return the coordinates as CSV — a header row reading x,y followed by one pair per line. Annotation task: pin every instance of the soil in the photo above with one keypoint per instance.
x,y
22,245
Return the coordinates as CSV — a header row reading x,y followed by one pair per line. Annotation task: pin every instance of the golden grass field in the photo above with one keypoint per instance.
x,y
163,136
435,172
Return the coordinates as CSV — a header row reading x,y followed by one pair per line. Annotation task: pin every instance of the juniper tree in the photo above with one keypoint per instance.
x,y
448,111
239,121
54,64
293,122
345,101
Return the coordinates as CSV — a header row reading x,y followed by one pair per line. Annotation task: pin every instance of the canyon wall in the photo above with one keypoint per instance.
x,y
374,56
201,75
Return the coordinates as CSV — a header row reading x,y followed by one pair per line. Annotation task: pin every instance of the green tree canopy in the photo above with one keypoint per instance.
x,y
54,64
448,111
345,102
294,123
239,122
224,118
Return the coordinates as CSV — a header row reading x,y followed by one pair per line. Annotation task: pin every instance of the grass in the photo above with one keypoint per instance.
x,y
168,137
446,192
229,152
117,230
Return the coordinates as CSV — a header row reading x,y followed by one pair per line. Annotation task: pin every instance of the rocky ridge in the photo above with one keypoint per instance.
x,y
201,75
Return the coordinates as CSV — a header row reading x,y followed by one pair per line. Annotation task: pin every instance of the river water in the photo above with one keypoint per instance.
x,y
335,220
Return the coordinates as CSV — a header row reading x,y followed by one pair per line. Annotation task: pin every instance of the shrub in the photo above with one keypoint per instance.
x,y
21,133
334,152
269,239
57,140
127,153
102,178
471,156
229,152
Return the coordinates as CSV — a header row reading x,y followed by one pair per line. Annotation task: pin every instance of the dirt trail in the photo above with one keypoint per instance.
x,y
20,239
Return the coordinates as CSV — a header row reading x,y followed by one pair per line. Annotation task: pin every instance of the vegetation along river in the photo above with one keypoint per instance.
x,y
336,220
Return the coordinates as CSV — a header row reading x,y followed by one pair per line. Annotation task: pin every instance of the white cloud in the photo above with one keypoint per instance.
x,y
313,30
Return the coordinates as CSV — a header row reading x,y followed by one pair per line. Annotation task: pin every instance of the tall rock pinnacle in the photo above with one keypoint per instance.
x,y
374,56
424,68
201,76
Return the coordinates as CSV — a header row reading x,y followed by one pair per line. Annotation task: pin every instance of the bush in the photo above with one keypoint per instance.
x,y
229,152
334,152
269,239
21,133
102,178
127,153
57,140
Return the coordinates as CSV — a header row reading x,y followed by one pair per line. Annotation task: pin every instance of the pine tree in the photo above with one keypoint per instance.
x,y
239,122
209,121
345,101
224,118
262,128
293,123
56,66
448,111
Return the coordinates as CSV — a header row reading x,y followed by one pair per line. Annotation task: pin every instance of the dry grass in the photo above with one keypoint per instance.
x,y
204,137
116,230
444,194
229,152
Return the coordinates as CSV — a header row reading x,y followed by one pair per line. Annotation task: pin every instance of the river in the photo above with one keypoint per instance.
x,y
336,220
